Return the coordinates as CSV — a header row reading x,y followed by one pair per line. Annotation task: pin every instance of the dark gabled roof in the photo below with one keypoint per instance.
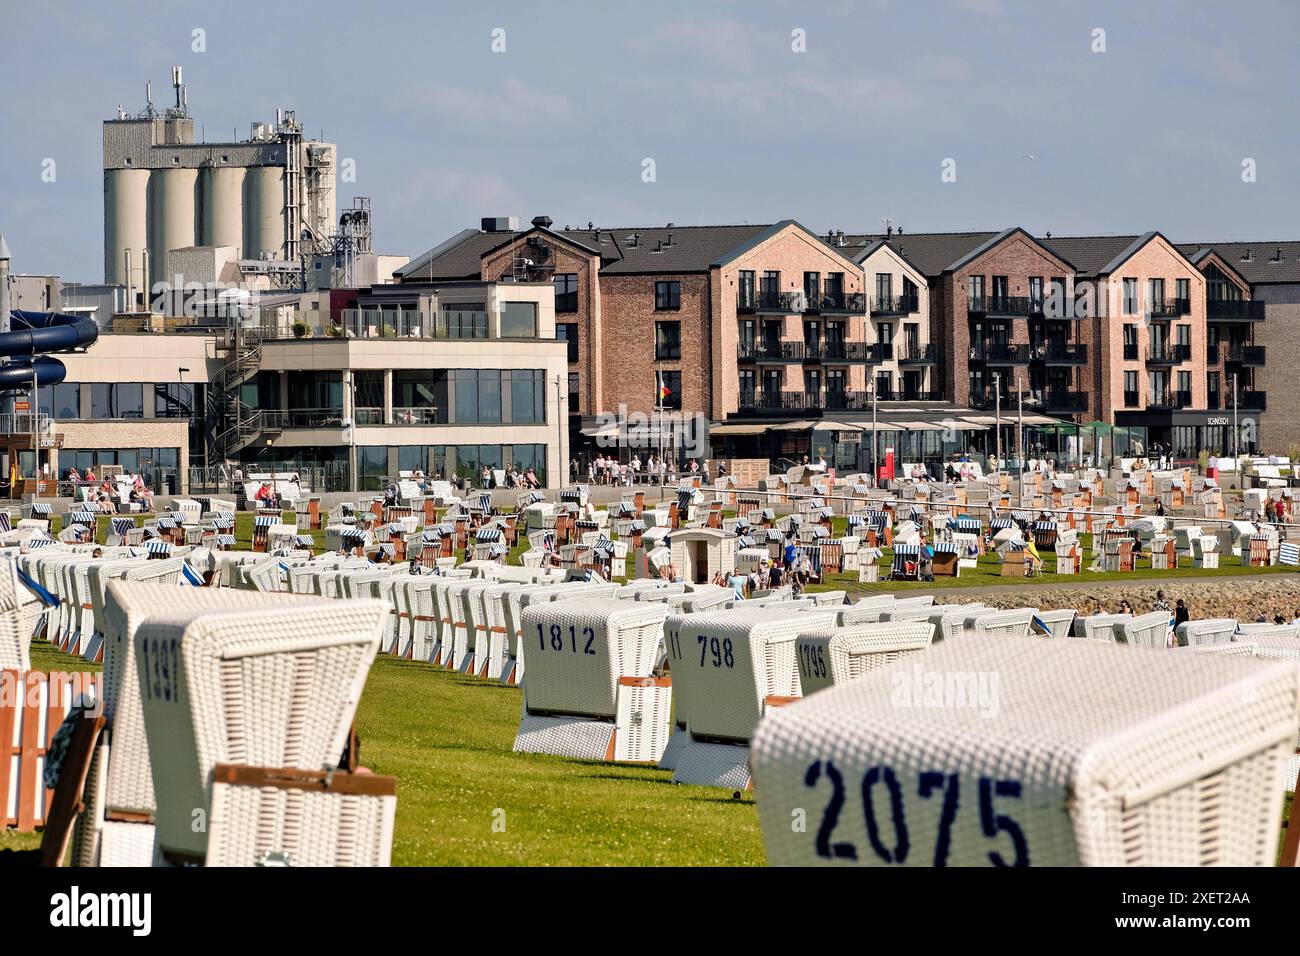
x,y
637,250
865,252
1264,265
928,252
457,258
1200,255
1090,255
998,239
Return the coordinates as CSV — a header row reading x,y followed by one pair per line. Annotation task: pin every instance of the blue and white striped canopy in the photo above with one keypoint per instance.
x,y
82,517
41,508
487,534
304,540
158,547
122,525
265,521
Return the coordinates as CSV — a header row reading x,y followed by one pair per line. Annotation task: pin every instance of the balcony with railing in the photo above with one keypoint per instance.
x,y
918,395
1064,401
1004,306
278,419
1234,310
989,399
1252,401
845,303
830,352
1169,354
894,305
1012,353
928,354
832,400
1170,309
1251,356
1169,399
1069,353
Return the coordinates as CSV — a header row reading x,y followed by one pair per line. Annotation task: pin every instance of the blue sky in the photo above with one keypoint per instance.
x,y
1149,134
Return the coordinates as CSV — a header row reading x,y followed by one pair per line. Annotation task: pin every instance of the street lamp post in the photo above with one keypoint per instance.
x,y
1234,417
875,467
997,417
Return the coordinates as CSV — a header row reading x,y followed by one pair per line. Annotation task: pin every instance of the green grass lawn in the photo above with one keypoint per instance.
x,y
447,739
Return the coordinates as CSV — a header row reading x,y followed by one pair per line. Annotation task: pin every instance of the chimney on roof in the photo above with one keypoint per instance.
x,y
659,245
1246,257
543,222
1277,256
669,241
889,229
635,240
669,226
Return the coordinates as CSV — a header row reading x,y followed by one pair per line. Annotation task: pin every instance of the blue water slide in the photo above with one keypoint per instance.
x,y
32,336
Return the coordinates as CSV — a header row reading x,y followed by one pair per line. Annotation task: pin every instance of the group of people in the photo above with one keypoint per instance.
x,y
104,495
603,470
514,477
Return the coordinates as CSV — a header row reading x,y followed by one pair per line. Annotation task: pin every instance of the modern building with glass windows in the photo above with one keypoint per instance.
x,y
348,389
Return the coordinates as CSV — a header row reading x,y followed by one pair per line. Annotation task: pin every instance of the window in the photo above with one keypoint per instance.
x,y
1212,388
745,290
1183,290
975,290
412,457
1001,287
419,396
173,400
463,320
527,396
62,401
812,383
746,335
1036,291
519,320
1157,292
566,291
771,283
1130,296
466,390
668,340
1130,388
747,385
835,285
672,385
568,332
884,386
1130,342
1185,385
117,400
489,396
812,286
372,465
668,295
884,289
574,390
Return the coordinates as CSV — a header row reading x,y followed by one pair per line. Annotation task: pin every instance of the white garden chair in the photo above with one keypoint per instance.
x,y
829,656
1148,630
1182,767
728,667
591,691
1208,631
273,687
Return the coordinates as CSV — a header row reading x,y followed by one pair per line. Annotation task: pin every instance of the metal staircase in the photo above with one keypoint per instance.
x,y
240,424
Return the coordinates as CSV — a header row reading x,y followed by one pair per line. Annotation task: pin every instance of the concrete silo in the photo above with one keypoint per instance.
x,y
126,224
172,198
222,189
264,204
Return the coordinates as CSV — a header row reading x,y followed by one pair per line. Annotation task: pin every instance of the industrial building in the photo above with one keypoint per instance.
x,y
269,197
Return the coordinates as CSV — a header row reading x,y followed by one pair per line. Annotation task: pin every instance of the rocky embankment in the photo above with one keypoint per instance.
x,y
1244,600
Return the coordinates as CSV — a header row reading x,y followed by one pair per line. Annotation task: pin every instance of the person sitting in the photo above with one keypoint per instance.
x,y
530,479
74,475
90,475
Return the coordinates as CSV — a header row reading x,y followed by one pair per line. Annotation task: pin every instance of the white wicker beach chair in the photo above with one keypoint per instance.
x,y
1057,623
1010,623
828,656
1148,630
918,764
117,826
591,692
164,572
512,669
1246,629
1107,628
273,687
727,668
1208,631
1286,648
